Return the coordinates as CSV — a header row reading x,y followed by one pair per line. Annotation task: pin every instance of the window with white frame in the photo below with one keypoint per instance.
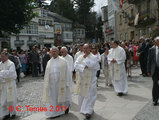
x,y
43,13
45,22
31,29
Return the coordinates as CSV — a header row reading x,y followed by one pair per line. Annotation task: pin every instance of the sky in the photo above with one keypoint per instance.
x,y
98,5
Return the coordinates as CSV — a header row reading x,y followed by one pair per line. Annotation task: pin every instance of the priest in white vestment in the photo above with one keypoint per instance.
x,y
80,52
69,59
116,61
87,67
8,96
56,83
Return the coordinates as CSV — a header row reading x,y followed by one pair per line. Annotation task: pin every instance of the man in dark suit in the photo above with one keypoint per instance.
x,y
153,69
141,52
34,60
45,58
146,50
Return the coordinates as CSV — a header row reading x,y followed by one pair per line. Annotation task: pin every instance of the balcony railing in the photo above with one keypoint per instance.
x,y
146,18
109,29
18,43
131,21
134,1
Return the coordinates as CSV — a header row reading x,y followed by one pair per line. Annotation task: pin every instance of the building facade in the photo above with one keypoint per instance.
x,y
78,33
39,32
112,29
105,22
137,18
64,30
26,38
124,17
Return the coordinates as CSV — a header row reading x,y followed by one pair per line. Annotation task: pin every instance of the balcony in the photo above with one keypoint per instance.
x,y
18,43
131,21
31,42
145,18
109,29
134,1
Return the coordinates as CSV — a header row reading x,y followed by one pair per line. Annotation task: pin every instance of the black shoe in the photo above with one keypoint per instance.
x,y
120,94
88,116
155,103
67,110
13,116
6,117
144,75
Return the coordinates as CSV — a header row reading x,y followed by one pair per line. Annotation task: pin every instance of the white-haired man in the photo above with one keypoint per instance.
x,y
69,59
8,95
55,85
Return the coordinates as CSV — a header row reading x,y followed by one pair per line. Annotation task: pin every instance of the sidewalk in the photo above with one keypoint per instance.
x,y
108,105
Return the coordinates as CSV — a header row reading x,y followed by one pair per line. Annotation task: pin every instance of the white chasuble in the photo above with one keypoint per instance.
x,y
86,84
55,86
117,69
70,65
8,94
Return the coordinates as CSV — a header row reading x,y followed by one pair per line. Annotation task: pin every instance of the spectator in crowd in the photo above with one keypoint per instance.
x,y
105,65
136,56
23,61
141,49
153,70
34,60
45,58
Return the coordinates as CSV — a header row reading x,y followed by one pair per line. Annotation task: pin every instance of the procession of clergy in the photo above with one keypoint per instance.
x,y
58,79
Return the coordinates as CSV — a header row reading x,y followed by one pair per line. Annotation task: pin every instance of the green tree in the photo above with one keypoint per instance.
x,y
14,15
40,3
99,31
85,16
64,8
83,10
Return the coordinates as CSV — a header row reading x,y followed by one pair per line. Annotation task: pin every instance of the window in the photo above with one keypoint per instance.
x,y
121,37
140,33
31,29
149,30
139,8
17,37
120,19
43,13
126,36
132,12
148,6
45,22
30,38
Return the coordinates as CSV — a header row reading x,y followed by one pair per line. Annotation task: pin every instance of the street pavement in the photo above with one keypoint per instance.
x,y
136,105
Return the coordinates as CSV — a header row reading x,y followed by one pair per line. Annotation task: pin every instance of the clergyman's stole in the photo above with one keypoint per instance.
x,y
10,90
62,81
115,67
83,89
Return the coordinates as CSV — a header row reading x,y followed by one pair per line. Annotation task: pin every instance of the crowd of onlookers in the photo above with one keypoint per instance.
x,y
34,61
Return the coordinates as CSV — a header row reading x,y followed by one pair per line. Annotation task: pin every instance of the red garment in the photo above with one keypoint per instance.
x,y
135,48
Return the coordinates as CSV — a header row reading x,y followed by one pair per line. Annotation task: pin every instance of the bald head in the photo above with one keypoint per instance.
x,y
64,51
86,49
